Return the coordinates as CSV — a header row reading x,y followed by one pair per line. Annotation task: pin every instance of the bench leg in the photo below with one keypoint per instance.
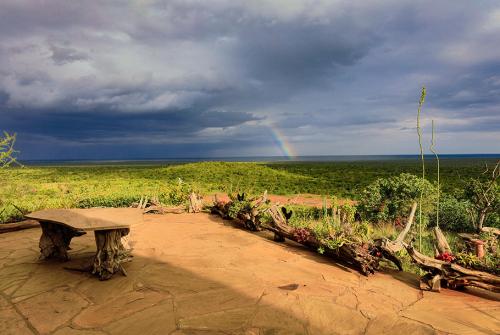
x,y
55,240
110,253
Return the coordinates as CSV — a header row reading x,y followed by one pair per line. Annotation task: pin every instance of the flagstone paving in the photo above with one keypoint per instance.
x,y
195,274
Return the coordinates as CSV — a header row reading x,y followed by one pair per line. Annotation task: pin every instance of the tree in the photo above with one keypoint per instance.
x,y
388,199
484,194
7,152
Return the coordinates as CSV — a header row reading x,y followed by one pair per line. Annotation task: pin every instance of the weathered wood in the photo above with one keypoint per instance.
x,y
90,219
453,275
441,242
364,257
55,240
396,245
195,203
60,226
26,224
110,253
408,225
491,230
164,210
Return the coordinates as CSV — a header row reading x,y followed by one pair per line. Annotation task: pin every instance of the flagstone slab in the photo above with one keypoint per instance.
x,y
11,323
192,274
225,320
280,311
72,331
447,312
157,320
51,310
217,300
43,279
326,317
115,309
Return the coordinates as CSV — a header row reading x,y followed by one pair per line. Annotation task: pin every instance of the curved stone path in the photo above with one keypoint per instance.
x,y
194,274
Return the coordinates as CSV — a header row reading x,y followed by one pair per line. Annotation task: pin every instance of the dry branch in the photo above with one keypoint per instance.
x,y
451,275
397,244
441,242
364,257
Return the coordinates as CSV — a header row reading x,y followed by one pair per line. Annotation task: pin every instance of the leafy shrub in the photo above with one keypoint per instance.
x,y
453,215
493,220
390,198
106,201
178,194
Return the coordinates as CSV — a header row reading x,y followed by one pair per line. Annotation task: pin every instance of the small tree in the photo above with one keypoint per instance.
x,y
7,151
388,199
484,194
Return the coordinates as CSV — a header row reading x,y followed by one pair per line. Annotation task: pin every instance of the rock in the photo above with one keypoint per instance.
x,y
11,323
50,310
326,317
118,308
224,320
157,320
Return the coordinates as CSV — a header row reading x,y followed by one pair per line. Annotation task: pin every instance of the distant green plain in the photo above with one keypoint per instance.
x,y
31,188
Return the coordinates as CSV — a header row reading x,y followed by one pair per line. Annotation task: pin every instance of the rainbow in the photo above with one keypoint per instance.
x,y
282,142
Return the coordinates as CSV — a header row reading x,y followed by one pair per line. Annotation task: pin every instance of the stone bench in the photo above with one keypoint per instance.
x,y
109,225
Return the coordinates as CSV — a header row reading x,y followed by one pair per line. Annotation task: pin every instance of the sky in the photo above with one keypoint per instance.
x,y
182,78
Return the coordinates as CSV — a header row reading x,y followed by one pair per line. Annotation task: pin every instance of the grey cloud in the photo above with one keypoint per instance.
x,y
92,72
62,55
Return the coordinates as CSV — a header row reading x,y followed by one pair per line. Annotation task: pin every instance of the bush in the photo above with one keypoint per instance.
x,y
177,194
493,220
388,199
453,215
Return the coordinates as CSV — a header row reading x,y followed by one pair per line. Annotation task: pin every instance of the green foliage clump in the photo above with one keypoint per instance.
x,y
484,196
177,194
33,188
390,198
238,205
471,261
454,215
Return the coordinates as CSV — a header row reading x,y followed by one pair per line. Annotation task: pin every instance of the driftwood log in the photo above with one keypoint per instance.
x,y
491,230
441,273
26,224
442,245
364,257
397,244
154,206
159,209
249,215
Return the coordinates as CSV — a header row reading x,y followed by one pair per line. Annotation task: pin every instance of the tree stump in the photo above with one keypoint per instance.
x,y
110,253
55,240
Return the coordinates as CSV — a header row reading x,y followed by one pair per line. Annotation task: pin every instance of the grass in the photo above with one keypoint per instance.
x,y
33,188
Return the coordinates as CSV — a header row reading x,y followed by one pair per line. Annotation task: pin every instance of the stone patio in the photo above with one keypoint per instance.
x,y
194,274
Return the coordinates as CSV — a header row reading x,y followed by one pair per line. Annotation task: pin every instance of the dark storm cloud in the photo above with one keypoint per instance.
x,y
477,87
62,55
98,125
222,73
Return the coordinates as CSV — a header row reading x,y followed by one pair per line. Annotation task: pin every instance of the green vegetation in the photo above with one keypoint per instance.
x,y
7,152
389,199
32,188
